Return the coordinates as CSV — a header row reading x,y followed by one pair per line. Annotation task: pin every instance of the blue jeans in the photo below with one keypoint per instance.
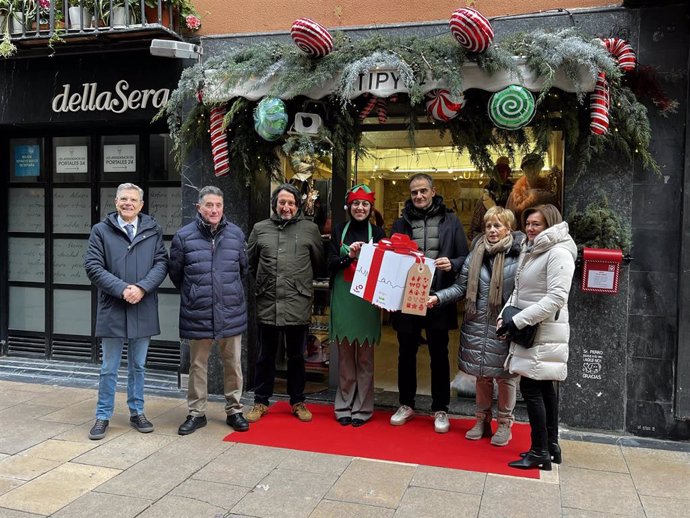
x,y
136,359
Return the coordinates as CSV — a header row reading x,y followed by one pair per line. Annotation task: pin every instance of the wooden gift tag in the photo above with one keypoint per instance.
x,y
417,289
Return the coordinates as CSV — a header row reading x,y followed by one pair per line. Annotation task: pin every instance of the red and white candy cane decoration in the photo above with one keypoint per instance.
x,y
219,142
381,105
622,51
599,106
471,29
312,37
440,106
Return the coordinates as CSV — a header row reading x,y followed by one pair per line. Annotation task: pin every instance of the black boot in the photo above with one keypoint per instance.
x,y
554,451
533,459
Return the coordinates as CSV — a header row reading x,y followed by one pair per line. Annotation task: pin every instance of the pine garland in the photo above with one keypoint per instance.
x,y
288,71
598,226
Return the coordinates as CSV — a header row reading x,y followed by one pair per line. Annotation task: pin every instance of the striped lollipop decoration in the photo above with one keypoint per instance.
x,y
512,108
471,29
441,107
599,106
623,52
311,37
219,142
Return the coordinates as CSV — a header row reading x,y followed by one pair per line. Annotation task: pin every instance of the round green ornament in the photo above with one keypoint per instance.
x,y
512,108
270,118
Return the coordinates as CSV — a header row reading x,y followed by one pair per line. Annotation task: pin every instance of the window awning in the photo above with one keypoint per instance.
x,y
385,82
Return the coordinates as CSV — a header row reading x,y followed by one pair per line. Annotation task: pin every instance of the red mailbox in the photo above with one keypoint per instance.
x,y
601,268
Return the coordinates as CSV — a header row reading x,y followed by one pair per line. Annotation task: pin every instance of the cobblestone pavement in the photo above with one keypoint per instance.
x,y
49,467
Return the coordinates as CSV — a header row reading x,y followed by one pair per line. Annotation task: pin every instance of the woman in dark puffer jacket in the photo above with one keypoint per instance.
x,y
486,280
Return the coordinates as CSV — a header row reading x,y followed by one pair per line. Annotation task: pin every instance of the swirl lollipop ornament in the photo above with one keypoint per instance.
x,y
512,108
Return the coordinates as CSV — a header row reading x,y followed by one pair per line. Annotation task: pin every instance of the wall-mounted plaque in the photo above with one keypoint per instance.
x,y
72,211
27,259
27,160
119,158
68,261
165,205
27,210
71,159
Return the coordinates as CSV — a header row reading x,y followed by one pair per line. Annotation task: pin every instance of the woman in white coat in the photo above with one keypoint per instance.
x,y
542,284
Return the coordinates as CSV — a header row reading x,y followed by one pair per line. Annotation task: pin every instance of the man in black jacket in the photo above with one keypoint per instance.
x,y
439,234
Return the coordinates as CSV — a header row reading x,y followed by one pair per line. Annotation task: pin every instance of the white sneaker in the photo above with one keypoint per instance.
x,y
403,414
441,423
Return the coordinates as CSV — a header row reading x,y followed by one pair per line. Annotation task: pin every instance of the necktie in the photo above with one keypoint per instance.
x,y
130,231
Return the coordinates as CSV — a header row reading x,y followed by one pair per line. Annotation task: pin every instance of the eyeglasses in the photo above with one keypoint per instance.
x,y
126,199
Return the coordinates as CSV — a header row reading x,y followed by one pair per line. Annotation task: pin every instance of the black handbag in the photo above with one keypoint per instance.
x,y
525,336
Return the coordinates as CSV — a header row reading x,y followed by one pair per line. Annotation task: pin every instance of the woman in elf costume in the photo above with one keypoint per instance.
x,y
355,323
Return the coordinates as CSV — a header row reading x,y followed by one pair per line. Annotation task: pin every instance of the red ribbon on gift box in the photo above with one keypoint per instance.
x,y
398,243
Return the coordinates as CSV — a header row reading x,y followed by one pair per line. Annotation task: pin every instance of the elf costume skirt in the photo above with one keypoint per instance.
x,y
352,318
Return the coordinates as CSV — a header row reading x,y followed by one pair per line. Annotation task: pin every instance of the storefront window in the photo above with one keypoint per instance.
x,y
27,309
169,315
161,158
27,208
68,261
71,159
119,158
72,312
71,210
27,259
165,205
26,160
107,201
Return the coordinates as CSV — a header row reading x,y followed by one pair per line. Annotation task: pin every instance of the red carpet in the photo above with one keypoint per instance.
x,y
414,443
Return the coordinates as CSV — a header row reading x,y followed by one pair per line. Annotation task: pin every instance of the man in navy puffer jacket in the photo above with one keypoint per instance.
x,y
207,263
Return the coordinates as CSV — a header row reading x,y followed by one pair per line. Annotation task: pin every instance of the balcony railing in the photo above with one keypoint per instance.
x,y
81,20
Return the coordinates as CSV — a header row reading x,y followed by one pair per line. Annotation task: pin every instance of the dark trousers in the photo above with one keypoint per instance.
x,y
542,410
265,375
440,368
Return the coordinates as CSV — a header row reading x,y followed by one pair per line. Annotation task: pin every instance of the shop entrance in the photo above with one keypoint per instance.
x,y
57,187
390,162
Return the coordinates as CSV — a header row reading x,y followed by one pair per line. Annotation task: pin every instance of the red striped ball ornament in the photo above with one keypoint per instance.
x,y
599,106
623,52
311,37
440,106
472,30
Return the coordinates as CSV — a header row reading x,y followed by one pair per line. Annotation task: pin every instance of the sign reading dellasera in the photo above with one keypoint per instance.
x,y
89,98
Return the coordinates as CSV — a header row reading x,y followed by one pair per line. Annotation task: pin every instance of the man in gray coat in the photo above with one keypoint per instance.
x,y
127,261
284,252
207,263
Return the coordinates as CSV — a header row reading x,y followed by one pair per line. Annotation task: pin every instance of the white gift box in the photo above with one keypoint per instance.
x,y
381,275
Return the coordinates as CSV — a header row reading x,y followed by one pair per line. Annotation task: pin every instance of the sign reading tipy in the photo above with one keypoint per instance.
x,y
383,83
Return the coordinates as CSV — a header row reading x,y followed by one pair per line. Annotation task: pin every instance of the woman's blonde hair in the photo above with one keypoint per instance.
x,y
505,216
552,215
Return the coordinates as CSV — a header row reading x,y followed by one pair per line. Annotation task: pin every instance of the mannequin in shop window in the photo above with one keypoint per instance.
x,y
496,192
531,189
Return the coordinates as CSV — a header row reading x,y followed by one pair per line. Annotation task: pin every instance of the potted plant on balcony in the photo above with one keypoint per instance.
x,y
43,8
188,15
7,48
151,11
80,13
21,11
124,12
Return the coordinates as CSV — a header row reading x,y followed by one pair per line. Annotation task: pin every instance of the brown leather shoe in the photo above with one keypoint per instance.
x,y
301,411
256,412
